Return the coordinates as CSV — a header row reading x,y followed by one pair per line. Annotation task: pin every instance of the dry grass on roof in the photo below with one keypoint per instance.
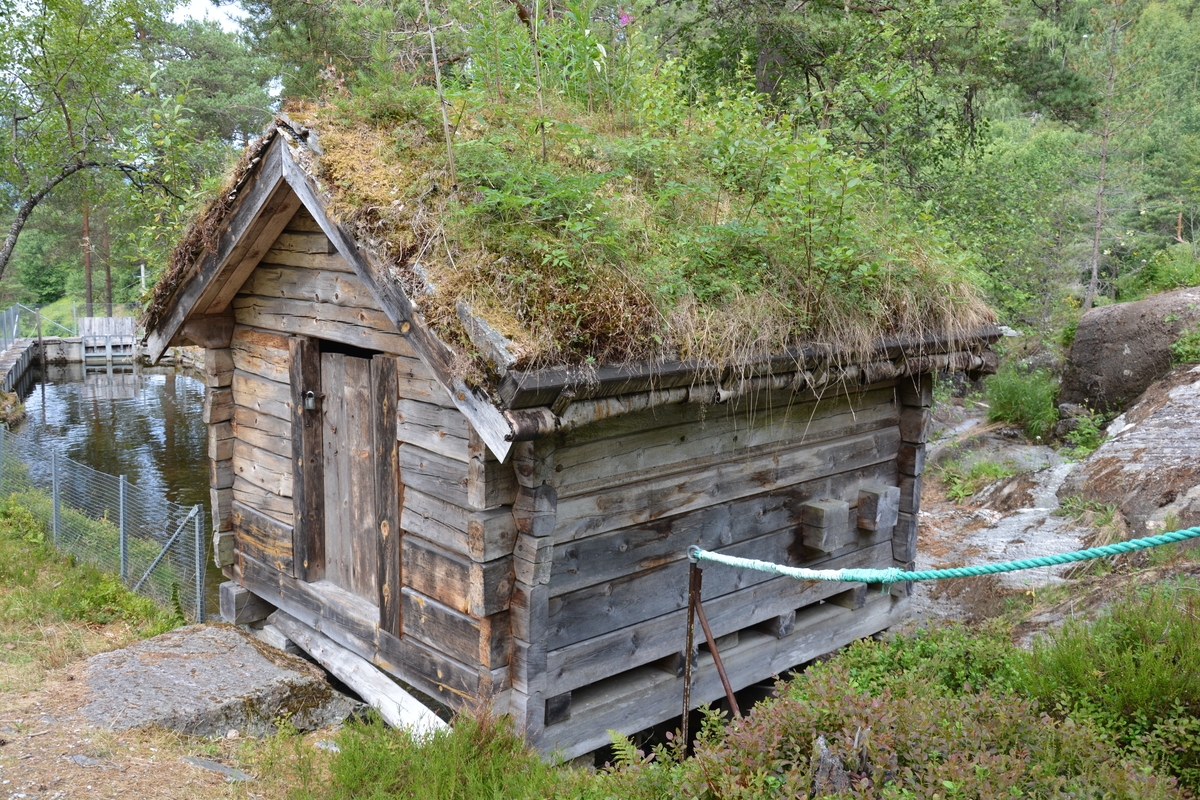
x,y
629,243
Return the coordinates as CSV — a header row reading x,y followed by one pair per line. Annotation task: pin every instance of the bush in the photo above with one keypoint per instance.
x,y
1135,673
963,482
1186,349
1022,397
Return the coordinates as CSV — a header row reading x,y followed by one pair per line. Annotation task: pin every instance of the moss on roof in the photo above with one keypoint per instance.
x,y
669,229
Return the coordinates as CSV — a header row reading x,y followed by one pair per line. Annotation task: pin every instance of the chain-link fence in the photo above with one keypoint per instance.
x,y
156,546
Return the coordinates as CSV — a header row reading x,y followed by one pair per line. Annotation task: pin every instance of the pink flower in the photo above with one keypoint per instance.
x,y
625,18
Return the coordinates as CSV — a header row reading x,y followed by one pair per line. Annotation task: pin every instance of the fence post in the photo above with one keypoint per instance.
x,y
54,493
41,344
121,486
199,564
3,436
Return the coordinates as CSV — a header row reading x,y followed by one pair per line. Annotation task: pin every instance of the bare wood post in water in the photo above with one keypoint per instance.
x,y
695,576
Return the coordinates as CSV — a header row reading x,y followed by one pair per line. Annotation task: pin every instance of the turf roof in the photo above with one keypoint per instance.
x,y
699,232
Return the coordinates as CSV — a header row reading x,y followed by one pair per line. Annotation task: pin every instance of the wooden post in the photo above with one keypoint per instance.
x,y
385,391
41,344
308,477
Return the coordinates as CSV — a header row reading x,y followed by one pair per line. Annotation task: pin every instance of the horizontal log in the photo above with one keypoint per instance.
x,y
311,285
360,327
220,473
481,535
273,505
469,587
434,474
218,405
261,353
584,562
635,700
262,395
418,383
220,441
269,439
625,601
667,445
221,500
485,642
262,538
658,497
263,469
218,367
434,428
240,606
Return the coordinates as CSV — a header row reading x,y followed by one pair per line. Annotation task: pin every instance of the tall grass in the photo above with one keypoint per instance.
x,y
1023,397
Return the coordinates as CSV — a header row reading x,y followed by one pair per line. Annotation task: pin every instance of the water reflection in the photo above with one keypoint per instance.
x,y
144,423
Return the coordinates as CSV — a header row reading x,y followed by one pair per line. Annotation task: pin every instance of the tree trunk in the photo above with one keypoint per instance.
x,y
107,269
87,262
25,210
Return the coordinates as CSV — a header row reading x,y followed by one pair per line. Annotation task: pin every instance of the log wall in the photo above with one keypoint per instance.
x,y
605,514
457,528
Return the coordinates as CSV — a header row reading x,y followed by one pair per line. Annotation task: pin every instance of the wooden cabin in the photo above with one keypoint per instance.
x,y
525,546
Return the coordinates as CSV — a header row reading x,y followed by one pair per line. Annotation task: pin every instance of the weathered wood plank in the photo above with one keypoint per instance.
x,y
303,222
397,707
220,441
658,497
260,394
629,703
218,405
240,606
262,538
434,474
468,639
605,607
261,353
221,500
280,257
252,496
218,367
305,447
489,483
388,491
306,242
360,327
594,659
263,469
333,409
418,383
483,535
358,459
264,197
434,428
878,506
666,445
464,585
280,445
310,285
220,473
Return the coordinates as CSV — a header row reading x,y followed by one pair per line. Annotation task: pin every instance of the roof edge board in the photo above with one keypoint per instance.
x,y
493,428
259,190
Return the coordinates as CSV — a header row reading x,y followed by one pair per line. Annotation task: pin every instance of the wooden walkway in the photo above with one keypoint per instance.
x,y
15,360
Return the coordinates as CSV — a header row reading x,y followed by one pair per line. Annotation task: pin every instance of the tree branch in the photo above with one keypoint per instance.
x,y
26,208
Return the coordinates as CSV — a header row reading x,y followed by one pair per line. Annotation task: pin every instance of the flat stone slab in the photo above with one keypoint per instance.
x,y
207,680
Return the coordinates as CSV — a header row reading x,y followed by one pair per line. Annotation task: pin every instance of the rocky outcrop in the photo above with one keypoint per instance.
x,y
207,680
1149,468
1119,350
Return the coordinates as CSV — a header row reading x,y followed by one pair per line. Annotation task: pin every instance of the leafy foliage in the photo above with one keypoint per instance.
x,y
964,481
1022,397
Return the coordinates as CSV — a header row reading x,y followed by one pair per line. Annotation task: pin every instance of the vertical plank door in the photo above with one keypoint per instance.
x,y
351,541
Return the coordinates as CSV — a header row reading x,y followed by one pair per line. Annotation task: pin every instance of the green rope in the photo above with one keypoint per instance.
x,y
897,575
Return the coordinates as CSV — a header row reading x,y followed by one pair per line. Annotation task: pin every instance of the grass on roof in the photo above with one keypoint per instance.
x,y
658,222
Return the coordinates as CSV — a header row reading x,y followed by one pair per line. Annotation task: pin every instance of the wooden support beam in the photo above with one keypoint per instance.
x,y
558,708
826,525
218,367
911,459
397,707
878,507
240,606
780,626
308,481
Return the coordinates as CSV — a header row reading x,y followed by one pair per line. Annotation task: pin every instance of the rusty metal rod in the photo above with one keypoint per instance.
x,y
712,646
695,576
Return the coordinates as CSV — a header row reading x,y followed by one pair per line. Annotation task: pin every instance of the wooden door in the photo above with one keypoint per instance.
x,y
351,539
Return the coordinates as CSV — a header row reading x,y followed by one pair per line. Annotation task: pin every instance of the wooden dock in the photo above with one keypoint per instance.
x,y
15,361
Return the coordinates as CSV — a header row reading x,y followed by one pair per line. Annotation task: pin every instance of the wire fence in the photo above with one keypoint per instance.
x,y
154,545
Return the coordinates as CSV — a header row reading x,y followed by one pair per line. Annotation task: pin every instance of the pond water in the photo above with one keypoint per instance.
x,y
141,422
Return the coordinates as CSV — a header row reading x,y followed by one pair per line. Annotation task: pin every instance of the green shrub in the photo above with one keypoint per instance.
x,y
1135,673
1087,435
963,482
1186,349
1022,397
